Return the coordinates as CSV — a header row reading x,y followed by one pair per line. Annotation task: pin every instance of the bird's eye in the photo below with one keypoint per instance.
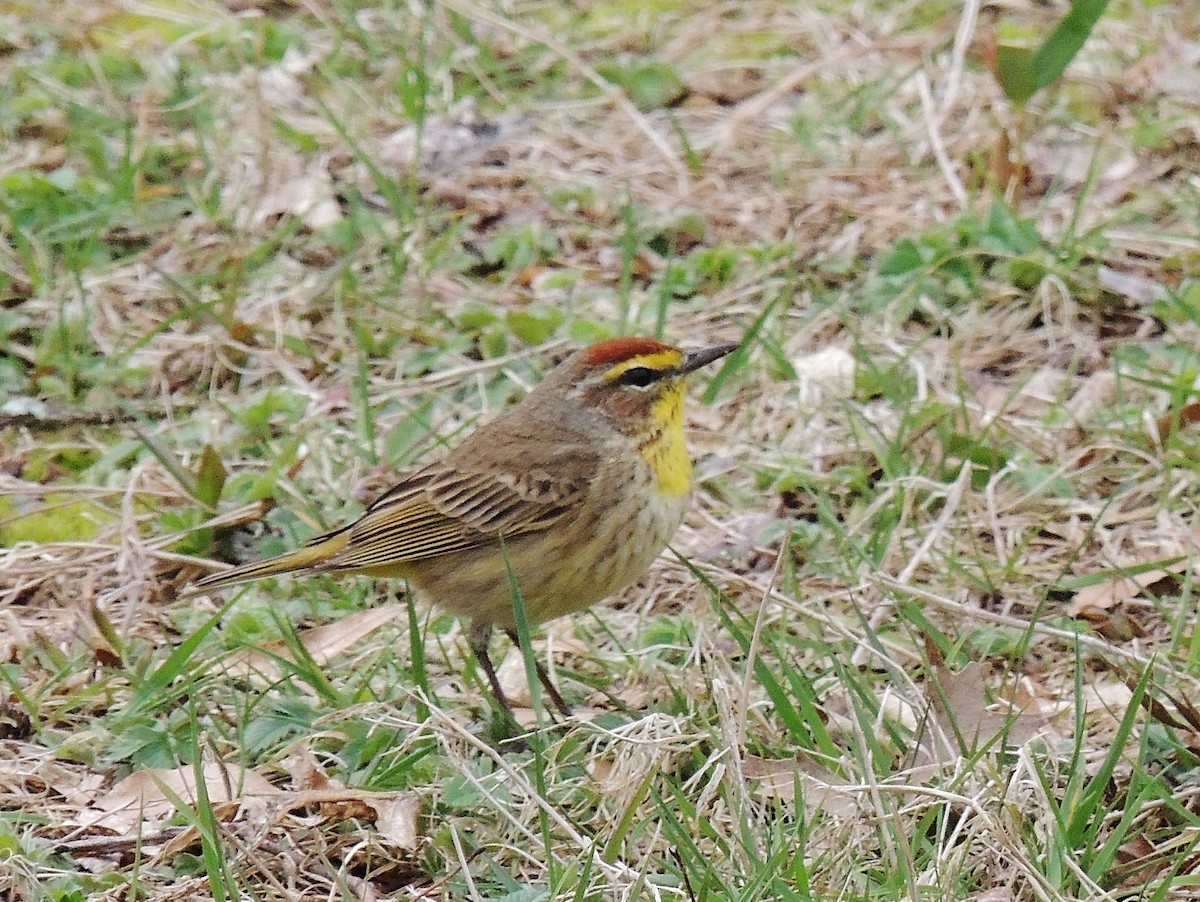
x,y
641,376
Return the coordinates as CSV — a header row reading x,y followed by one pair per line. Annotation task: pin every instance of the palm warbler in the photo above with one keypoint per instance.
x,y
574,491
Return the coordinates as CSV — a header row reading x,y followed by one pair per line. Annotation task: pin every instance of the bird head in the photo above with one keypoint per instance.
x,y
637,382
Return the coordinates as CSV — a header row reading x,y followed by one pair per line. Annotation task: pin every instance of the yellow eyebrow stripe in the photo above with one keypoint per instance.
x,y
659,360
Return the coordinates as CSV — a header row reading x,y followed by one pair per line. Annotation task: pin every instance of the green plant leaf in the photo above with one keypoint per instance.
x,y
1016,71
1066,40
210,477
535,324
1023,71
649,83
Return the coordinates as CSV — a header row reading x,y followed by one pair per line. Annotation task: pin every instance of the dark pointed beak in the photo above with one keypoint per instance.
x,y
704,356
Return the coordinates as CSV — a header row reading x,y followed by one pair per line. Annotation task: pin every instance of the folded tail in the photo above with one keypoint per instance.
x,y
309,556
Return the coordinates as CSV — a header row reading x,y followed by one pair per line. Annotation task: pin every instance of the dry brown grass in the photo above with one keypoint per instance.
x,y
340,263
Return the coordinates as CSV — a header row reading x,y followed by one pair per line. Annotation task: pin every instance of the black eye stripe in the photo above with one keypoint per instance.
x,y
640,376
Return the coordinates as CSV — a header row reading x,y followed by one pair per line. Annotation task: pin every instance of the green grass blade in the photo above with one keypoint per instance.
x,y
1066,41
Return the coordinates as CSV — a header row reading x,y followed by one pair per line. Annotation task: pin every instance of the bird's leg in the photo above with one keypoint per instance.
x,y
478,637
544,678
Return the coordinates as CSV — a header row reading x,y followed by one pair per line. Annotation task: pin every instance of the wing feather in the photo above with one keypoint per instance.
x,y
458,512
509,477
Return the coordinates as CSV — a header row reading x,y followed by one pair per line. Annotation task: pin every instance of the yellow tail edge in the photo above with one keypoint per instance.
x,y
303,558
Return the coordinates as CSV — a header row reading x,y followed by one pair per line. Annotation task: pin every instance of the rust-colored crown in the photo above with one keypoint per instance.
x,y
614,350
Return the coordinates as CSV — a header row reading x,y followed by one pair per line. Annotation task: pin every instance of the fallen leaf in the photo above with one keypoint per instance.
x,y
997,894
446,144
1129,285
772,778
308,195
177,845
961,719
825,374
511,674
1111,698
142,801
824,793
323,643
398,810
1115,626
1122,586
306,770
396,819
1173,421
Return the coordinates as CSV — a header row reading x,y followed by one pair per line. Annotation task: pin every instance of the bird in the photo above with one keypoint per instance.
x,y
574,491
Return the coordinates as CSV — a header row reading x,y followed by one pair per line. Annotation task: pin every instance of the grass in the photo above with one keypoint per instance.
x,y
255,262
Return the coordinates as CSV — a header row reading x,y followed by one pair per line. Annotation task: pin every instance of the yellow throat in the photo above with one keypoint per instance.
x,y
666,451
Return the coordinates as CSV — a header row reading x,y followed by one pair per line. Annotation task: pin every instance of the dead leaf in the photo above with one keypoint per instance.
x,y
1173,421
961,718
306,770
1112,698
447,144
824,793
511,674
396,819
897,710
998,894
341,803
1121,587
323,643
963,721
1115,626
308,195
772,778
142,801
824,375
1129,285
177,845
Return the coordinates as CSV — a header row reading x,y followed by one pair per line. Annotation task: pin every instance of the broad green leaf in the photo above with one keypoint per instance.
x,y
210,477
649,83
905,257
534,324
1023,70
1066,40
1016,72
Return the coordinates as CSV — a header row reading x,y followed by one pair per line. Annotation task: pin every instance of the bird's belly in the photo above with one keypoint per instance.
x,y
560,570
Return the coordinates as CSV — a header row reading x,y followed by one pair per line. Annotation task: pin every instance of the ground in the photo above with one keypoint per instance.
x,y
928,629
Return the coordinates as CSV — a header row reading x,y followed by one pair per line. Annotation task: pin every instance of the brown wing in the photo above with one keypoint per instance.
x,y
498,483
